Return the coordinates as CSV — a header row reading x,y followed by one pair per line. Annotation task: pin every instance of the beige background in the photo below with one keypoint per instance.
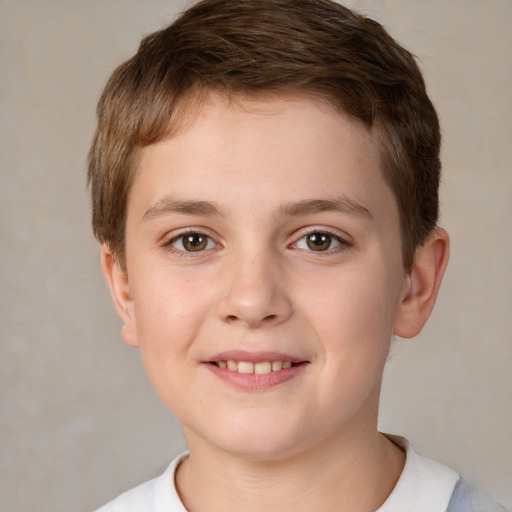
x,y
79,422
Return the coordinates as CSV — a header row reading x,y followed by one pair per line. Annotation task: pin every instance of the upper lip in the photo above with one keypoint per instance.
x,y
254,357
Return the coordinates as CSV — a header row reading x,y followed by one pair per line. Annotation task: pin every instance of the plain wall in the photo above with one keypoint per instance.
x,y
79,422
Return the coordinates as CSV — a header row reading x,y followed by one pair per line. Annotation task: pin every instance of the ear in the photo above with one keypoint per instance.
x,y
422,286
117,280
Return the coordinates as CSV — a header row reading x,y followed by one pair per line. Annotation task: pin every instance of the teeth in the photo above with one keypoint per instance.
x,y
277,365
261,368
245,367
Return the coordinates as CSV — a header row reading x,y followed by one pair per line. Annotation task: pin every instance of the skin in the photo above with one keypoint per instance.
x,y
244,175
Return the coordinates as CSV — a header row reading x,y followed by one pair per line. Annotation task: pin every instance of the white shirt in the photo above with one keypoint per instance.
x,y
424,486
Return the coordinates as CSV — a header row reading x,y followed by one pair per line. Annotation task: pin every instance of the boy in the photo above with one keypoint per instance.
x,y
264,181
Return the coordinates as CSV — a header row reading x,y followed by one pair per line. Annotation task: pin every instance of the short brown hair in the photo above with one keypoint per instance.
x,y
248,47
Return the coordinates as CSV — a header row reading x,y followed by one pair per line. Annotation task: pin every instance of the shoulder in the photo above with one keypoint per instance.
x,y
156,495
467,498
424,485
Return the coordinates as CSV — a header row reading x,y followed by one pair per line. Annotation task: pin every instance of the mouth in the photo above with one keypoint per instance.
x,y
256,371
248,367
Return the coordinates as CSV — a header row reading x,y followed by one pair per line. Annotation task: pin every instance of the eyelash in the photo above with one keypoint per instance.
x,y
210,243
342,243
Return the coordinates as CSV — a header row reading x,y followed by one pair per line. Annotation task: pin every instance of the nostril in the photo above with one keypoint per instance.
x,y
266,319
253,309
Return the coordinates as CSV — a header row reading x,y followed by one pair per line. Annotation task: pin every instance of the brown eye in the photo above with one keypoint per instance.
x,y
195,242
192,242
319,241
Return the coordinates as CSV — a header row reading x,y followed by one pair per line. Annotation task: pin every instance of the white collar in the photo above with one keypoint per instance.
x,y
424,484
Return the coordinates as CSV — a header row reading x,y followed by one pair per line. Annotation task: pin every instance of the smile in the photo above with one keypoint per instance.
x,y
256,372
260,368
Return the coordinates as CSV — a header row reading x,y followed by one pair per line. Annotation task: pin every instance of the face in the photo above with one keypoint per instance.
x,y
264,275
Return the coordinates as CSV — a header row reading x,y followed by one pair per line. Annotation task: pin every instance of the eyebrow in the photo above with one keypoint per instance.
x,y
187,207
343,205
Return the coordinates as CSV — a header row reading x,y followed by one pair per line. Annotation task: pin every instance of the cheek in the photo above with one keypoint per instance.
x,y
357,302
169,312
168,320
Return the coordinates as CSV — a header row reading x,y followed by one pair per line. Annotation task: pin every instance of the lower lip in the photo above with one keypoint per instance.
x,y
255,382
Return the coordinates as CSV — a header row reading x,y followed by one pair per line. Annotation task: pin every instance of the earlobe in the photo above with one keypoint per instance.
x,y
423,284
117,281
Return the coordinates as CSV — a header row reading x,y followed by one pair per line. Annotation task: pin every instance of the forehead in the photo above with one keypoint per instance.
x,y
192,110
265,144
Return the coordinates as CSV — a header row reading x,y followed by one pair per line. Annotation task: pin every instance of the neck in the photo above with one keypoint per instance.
x,y
353,473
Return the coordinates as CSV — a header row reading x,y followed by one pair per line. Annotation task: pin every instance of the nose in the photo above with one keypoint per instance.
x,y
254,293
